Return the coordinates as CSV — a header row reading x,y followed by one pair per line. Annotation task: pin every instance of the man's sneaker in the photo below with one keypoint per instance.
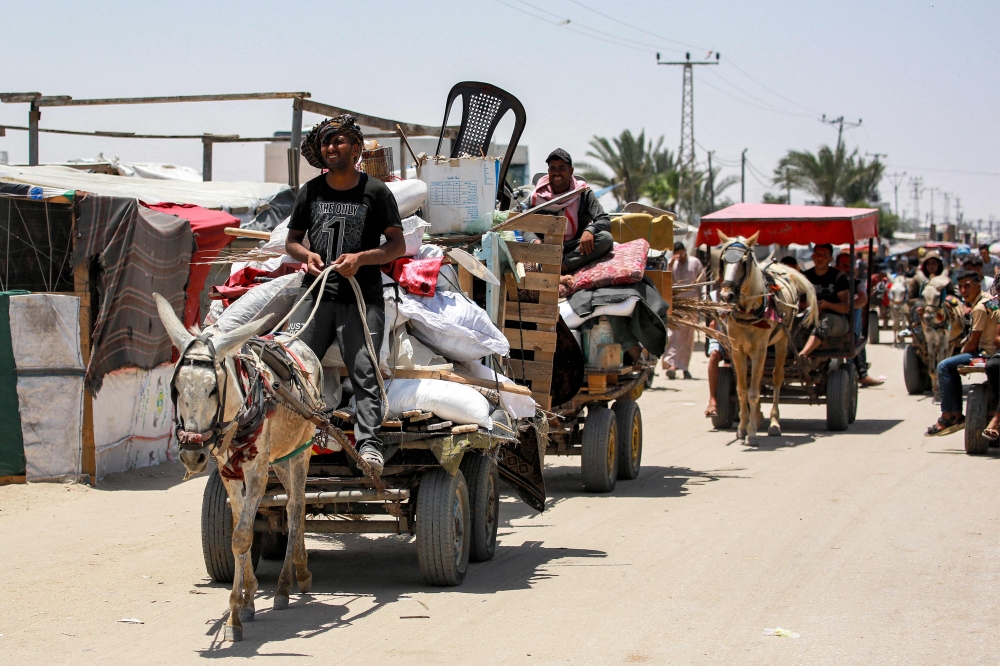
x,y
373,457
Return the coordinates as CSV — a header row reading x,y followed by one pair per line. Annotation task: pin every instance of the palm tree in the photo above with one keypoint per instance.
x,y
864,185
634,163
826,175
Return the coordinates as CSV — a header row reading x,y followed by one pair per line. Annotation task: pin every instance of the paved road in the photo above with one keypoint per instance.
x,y
876,546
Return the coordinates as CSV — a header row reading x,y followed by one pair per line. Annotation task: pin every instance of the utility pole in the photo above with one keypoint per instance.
x,y
711,184
932,190
947,207
958,210
918,192
840,122
685,154
743,175
896,179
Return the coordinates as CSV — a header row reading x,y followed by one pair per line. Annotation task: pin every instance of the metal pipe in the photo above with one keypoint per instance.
x,y
340,497
401,526
296,143
206,160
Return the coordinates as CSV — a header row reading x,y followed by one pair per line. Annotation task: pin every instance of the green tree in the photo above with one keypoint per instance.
x,y
775,198
825,175
639,165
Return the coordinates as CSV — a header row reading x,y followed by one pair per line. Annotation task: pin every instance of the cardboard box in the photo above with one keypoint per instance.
x,y
461,191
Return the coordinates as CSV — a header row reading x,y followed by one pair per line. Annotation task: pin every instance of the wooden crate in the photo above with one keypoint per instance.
x,y
664,283
541,338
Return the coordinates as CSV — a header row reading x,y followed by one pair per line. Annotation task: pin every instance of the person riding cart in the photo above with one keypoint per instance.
x,y
981,342
588,229
345,213
931,266
833,295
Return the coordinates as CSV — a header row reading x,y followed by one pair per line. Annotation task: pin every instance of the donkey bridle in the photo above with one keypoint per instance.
x,y
736,286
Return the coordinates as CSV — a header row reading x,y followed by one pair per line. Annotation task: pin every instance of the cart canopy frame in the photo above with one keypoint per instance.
x,y
779,224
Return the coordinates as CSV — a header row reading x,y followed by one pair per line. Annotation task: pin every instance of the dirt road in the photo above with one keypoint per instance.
x,y
877,546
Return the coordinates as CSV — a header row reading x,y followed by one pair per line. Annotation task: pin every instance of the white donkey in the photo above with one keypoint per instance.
x,y
897,305
246,431
765,302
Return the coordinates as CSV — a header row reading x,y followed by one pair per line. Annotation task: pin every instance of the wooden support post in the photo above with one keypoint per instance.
x,y
295,144
34,115
206,159
81,287
464,280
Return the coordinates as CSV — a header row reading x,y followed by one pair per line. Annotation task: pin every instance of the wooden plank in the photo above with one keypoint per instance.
x,y
544,400
533,370
541,282
533,312
247,233
549,297
8,480
464,280
549,225
457,378
88,457
551,269
535,254
540,341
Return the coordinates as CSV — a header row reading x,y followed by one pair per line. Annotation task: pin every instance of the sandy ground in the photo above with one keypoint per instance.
x,y
877,546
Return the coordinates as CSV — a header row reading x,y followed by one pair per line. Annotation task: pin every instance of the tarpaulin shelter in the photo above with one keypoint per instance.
x,y
101,253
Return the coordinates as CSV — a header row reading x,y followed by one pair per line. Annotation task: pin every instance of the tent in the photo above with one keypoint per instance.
x,y
91,260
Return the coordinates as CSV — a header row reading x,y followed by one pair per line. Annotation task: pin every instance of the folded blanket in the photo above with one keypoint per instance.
x,y
625,264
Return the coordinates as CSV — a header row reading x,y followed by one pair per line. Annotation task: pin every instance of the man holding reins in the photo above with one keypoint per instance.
x,y
344,213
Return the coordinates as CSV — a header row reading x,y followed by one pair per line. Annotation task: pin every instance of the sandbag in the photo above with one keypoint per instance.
x,y
410,195
275,297
453,326
413,234
447,400
518,406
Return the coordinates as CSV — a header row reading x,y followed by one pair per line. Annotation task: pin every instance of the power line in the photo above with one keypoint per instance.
x,y
759,100
638,29
739,99
972,173
565,24
773,92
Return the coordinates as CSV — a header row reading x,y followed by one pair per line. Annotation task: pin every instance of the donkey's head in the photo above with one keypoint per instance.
x,y
202,402
934,308
735,265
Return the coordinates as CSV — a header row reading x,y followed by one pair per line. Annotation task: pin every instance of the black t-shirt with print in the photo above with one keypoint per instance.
x,y
829,284
345,221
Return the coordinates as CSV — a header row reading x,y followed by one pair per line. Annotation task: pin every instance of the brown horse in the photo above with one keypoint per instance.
x,y
764,302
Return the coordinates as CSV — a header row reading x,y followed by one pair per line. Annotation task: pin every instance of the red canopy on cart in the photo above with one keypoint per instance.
x,y
783,225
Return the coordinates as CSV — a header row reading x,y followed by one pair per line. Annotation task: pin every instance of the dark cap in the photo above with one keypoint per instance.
x,y
559,154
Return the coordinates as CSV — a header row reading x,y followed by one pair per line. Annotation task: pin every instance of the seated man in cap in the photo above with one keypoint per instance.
x,y
588,229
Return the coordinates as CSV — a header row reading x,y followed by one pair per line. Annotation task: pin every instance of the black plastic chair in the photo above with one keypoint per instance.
x,y
483,106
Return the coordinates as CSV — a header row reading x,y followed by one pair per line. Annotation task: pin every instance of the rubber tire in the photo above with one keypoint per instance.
x,y
599,453
628,420
852,370
273,545
482,478
914,375
977,417
217,532
443,564
726,409
873,327
838,399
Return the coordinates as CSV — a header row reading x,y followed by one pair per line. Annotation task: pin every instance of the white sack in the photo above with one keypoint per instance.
x,y
275,297
453,326
447,400
215,311
411,354
518,406
623,309
410,195
276,244
45,336
413,234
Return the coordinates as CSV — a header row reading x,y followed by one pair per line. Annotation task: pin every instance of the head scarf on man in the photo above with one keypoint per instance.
x,y
313,143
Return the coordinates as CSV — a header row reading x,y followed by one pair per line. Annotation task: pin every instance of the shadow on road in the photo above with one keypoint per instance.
x,y
653,481
158,477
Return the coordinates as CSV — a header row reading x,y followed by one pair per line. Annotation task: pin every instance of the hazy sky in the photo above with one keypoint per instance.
x,y
925,78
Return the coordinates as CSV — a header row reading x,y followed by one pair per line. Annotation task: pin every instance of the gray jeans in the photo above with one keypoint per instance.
x,y
573,260
831,325
342,322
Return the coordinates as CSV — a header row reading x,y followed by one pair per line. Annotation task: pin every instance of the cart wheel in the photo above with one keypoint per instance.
x,y
273,545
217,532
838,399
443,534
725,399
977,416
628,420
599,454
482,480
852,370
873,327
914,374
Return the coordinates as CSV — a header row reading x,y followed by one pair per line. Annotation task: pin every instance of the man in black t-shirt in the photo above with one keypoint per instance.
x,y
833,298
344,214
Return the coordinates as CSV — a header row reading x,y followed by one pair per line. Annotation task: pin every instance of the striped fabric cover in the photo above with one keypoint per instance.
x,y
141,251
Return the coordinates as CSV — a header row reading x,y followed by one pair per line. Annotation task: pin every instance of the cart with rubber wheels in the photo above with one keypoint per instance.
x,y
980,405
